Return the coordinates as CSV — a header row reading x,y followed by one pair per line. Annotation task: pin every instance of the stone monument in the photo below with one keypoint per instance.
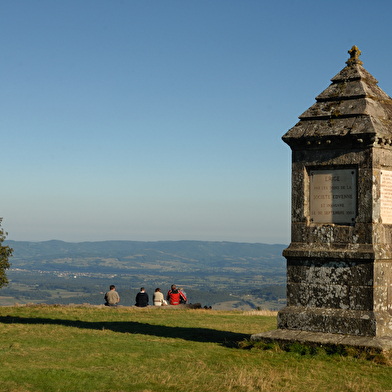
x,y
339,262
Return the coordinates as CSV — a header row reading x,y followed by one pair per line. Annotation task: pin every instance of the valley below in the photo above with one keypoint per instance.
x,y
223,275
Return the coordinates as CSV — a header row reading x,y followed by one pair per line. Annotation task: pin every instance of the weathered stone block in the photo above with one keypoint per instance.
x,y
341,321
360,297
323,338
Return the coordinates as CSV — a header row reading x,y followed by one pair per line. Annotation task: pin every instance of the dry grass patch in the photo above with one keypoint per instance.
x,y
267,313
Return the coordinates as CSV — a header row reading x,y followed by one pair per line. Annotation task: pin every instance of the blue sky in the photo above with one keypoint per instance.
x,y
162,120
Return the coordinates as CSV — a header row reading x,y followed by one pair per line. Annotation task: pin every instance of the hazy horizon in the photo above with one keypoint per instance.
x,y
114,240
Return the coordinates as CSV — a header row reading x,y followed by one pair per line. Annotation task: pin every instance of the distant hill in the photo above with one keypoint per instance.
x,y
160,256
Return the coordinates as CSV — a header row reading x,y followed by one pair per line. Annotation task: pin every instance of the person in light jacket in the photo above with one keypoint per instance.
x,y
111,297
158,298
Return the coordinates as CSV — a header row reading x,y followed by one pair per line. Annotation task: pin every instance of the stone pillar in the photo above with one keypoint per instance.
x,y
339,261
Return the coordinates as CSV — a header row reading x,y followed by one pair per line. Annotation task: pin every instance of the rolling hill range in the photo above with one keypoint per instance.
x,y
165,256
57,271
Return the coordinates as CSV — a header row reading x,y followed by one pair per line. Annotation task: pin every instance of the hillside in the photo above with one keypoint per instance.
x,y
55,348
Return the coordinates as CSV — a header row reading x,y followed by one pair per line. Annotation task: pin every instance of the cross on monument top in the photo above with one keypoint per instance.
x,y
354,56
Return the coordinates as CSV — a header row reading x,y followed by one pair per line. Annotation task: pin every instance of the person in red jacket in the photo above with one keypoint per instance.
x,y
174,296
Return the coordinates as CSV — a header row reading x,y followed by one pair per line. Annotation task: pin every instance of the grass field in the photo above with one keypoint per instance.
x,y
51,348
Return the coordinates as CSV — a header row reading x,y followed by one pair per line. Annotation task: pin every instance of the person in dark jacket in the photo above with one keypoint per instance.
x,y
175,297
142,298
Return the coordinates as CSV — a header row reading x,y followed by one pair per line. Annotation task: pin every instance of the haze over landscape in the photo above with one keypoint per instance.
x,y
162,120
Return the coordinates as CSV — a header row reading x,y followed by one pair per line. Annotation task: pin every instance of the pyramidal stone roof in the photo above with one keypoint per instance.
x,y
352,112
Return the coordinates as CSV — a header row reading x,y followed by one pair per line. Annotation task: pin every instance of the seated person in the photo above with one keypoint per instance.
x,y
183,297
111,297
141,298
175,296
158,298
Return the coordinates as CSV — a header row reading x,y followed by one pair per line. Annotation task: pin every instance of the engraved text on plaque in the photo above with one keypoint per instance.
x,y
386,197
333,196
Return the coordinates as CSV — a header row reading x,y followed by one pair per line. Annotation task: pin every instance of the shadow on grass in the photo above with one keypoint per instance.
x,y
225,338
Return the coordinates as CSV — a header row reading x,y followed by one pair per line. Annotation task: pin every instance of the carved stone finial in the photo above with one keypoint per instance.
x,y
354,56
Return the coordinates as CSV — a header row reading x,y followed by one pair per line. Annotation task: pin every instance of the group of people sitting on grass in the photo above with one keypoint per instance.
x,y
174,297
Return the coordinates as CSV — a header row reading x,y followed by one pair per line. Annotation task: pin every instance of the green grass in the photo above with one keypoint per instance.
x,y
49,348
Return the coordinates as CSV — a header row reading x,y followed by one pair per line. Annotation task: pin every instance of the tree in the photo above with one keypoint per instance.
x,y
5,254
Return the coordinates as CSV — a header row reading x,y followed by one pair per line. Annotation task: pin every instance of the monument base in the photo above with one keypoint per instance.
x,y
336,321
321,338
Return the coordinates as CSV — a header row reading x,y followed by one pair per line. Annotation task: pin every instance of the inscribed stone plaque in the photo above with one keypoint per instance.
x,y
333,196
386,197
